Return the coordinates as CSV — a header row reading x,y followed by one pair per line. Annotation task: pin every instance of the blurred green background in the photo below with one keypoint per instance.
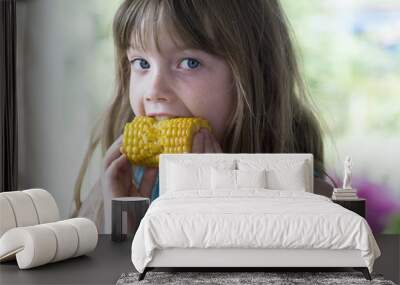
x,y
350,58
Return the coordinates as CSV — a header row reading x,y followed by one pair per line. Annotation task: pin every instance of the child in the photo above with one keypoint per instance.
x,y
230,62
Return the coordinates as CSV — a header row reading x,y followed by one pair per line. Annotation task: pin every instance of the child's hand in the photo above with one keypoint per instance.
x,y
116,177
205,142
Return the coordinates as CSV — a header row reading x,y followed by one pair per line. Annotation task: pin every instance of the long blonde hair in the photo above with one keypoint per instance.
x,y
272,112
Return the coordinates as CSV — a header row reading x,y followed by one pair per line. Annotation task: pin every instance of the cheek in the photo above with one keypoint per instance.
x,y
134,97
212,99
220,92
219,113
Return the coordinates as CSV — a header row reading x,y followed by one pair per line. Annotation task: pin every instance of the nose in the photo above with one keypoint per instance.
x,y
159,88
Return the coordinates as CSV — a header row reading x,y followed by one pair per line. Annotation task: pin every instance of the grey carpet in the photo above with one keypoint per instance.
x,y
225,278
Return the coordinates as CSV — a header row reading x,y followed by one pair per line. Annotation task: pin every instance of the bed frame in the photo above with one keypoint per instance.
x,y
244,259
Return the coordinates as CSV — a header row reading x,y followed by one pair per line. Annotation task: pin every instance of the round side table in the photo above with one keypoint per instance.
x,y
135,208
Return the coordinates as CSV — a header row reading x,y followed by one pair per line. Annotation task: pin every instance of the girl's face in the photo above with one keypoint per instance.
x,y
180,82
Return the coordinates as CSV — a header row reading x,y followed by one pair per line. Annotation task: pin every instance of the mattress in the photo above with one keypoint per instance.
x,y
252,219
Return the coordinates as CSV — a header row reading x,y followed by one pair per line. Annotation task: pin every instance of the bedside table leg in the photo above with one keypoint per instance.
x,y
364,271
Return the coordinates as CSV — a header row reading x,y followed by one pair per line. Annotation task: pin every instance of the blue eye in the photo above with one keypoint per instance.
x,y
191,63
140,63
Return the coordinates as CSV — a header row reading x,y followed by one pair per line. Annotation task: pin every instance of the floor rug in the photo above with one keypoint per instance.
x,y
225,278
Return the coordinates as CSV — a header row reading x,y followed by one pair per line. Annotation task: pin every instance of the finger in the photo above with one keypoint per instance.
x,y
208,145
148,180
118,165
217,147
198,143
133,192
113,152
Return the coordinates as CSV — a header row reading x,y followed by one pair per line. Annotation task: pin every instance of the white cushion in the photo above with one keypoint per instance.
x,y
229,180
181,178
24,210
29,233
223,179
293,178
67,238
282,174
251,178
185,175
27,208
40,244
87,234
7,218
45,205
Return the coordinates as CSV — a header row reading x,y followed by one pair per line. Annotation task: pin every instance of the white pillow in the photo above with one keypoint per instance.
x,y
223,179
251,178
181,177
282,174
293,178
185,174
229,179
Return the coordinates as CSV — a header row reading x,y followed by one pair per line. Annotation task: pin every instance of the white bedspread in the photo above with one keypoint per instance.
x,y
251,218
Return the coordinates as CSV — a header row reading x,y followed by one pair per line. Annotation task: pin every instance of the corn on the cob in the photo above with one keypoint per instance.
x,y
145,138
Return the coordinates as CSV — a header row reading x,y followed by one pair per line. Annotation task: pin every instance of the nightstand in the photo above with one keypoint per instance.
x,y
134,209
358,205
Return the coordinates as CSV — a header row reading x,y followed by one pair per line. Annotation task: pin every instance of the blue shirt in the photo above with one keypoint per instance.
x,y
317,174
155,192
138,178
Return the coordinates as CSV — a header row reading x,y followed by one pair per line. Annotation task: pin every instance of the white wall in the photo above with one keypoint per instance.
x,y
57,86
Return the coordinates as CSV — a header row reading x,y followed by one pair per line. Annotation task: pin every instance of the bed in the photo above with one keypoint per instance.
x,y
245,211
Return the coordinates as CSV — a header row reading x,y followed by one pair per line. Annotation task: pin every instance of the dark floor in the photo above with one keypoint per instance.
x,y
389,262
110,259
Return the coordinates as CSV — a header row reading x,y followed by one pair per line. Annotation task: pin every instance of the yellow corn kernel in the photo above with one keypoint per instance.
x,y
145,138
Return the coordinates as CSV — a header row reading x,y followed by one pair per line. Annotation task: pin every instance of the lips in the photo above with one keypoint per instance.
x,y
161,116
